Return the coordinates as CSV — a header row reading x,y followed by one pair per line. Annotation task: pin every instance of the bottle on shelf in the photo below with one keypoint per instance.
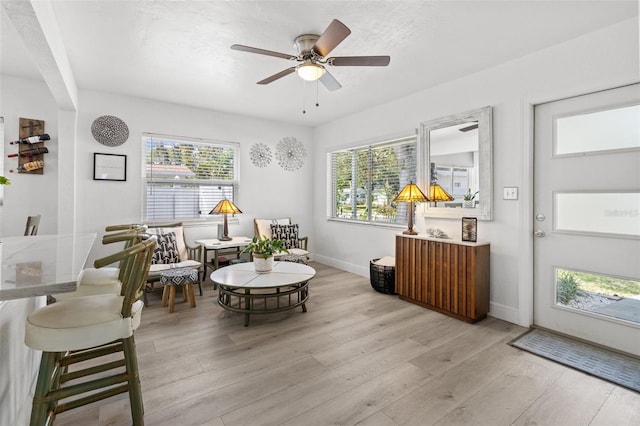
x,y
32,139
31,165
30,152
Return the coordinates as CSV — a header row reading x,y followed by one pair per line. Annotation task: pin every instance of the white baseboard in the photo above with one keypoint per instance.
x,y
506,313
349,267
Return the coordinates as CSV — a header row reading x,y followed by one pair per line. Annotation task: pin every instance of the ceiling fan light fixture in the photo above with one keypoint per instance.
x,y
310,71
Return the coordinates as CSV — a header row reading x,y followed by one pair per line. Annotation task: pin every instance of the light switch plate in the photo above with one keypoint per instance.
x,y
510,193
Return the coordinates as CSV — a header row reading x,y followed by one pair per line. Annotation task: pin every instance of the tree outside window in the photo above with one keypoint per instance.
x,y
365,180
185,179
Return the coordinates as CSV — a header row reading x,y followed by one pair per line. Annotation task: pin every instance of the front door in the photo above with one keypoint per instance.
x,y
587,217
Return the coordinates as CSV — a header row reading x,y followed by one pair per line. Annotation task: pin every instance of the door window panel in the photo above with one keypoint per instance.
x,y
608,130
616,213
600,294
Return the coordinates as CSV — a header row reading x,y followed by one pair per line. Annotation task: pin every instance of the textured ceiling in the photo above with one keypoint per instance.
x,y
179,51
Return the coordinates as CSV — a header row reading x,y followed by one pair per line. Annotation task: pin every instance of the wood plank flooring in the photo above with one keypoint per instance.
x,y
356,357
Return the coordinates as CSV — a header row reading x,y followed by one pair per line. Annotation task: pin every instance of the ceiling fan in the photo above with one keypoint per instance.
x,y
312,55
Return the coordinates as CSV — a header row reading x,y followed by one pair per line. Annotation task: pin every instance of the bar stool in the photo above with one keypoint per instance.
x,y
86,328
107,280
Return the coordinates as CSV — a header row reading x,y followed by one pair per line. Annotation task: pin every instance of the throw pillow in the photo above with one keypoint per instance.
x,y
178,230
166,249
287,233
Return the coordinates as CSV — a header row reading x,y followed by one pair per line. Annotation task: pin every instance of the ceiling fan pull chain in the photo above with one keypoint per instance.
x,y
304,97
317,103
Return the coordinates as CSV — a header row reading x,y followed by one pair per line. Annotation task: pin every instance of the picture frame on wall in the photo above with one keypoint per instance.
x,y
109,167
470,229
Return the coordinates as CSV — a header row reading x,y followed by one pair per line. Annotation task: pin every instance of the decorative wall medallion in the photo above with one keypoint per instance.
x,y
260,155
290,154
110,130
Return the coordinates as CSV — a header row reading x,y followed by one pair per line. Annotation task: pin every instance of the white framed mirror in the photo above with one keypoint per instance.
x,y
457,165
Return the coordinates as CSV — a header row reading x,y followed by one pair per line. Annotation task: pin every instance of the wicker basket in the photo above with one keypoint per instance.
x,y
383,278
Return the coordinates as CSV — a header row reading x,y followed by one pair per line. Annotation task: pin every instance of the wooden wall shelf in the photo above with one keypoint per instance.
x,y
30,127
23,160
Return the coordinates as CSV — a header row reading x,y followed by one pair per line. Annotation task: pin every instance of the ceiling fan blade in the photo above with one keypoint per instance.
x,y
277,76
330,82
359,61
469,128
262,51
331,37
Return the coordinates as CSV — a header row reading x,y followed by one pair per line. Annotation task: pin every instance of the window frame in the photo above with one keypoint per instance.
x,y
202,216
332,202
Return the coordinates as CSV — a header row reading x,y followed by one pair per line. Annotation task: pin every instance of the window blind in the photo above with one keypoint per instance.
x,y
185,179
365,180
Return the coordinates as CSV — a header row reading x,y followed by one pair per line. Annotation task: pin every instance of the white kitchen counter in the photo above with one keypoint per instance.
x,y
42,264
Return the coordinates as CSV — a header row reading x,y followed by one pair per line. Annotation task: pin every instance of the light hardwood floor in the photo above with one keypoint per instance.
x,y
356,357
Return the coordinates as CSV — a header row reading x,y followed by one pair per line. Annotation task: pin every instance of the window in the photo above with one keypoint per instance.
x,y
454,180
186,178
365,180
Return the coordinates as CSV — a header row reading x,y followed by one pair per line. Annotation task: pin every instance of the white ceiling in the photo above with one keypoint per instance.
x,y
179,51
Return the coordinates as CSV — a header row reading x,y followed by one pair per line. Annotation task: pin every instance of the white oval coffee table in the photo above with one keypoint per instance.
x,y
241,289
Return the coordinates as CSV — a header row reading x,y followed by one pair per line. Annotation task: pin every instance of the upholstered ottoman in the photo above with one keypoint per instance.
x,y
178,277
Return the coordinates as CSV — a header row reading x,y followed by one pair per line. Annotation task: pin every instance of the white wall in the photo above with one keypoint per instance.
x,y
263,192
28,194
595,61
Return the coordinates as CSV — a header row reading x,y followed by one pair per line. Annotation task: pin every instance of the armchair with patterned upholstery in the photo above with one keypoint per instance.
x,y
173,252
283,229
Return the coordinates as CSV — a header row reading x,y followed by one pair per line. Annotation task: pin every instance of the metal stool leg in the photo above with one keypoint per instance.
x,y
42,406
135,391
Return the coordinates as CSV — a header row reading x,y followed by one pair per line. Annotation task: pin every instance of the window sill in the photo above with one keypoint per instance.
x,y
394,226
198,222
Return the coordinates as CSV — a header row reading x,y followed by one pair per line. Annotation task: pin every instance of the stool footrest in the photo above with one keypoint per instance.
x,y
84,355
60,408
56,395
91,370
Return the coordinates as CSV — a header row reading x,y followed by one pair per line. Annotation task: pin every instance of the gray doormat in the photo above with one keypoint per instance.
x,y
616,368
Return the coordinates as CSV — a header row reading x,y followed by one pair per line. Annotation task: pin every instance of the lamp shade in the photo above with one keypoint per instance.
x,y
225,206
437,193
411,193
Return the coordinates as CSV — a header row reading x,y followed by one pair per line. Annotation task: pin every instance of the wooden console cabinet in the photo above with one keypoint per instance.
x,y
448,277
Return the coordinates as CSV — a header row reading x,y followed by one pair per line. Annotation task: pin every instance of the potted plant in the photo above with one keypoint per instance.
x,y
262,251
468,199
